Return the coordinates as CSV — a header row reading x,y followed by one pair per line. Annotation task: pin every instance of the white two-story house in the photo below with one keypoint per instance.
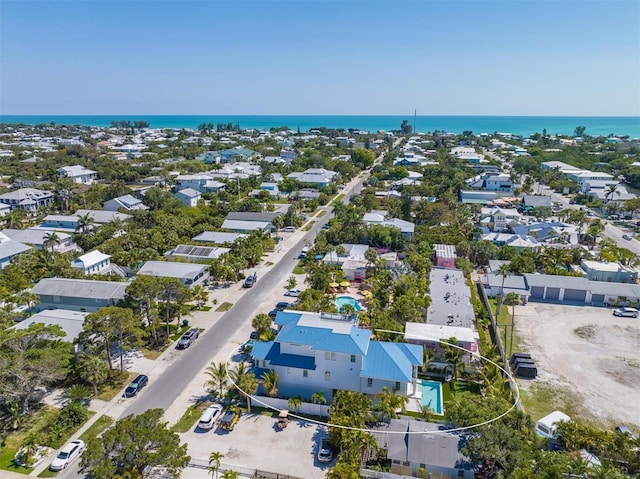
x,y
327,351
78,174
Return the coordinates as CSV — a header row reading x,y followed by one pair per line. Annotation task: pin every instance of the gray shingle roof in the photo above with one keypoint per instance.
x,y
80,288
170,269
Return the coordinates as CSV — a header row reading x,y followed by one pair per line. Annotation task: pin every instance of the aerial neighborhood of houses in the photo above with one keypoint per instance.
x,y
422,278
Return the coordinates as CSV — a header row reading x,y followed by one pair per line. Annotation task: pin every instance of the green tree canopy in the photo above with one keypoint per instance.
x,y
131,445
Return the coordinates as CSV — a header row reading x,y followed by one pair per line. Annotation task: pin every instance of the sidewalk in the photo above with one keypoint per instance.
x,y
135,361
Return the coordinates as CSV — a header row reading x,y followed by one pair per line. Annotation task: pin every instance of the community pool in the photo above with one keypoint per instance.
x,y
342,300
432,395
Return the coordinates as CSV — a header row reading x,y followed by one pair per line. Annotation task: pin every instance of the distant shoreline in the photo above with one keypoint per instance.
x,y
516,125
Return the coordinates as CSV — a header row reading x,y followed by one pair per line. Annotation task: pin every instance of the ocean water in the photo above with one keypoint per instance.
x,y
517,125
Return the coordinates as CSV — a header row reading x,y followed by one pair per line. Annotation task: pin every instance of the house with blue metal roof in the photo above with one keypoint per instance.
x,y
328,351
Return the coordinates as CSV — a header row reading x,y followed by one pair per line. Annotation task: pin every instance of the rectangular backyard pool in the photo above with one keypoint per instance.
x,y
432,396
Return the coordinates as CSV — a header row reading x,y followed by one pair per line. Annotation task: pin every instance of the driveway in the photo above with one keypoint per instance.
x,y
256,442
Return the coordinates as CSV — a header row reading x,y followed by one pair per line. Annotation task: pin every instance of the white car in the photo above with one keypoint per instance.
x,y
289,229
68,453
626,312
210,416
293,292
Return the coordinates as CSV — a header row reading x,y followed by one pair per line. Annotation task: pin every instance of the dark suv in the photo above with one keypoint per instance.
x,y
135,386
282,305
188,338
250,281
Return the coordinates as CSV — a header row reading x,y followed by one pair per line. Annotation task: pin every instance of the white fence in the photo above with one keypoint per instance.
x,y
305,408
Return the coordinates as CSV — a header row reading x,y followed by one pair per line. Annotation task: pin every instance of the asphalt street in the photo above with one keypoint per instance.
x,y
162,392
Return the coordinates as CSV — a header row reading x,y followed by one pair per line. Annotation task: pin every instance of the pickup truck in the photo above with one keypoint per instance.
x,y
229,420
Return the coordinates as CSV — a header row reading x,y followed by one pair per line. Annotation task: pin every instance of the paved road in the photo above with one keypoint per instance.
x,y
610,230
162,392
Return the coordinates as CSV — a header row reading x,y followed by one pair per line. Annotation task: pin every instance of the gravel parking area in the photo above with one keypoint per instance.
x,y
587,352
256,443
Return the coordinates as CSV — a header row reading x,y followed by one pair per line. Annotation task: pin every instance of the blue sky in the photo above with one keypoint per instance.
x,y
333,57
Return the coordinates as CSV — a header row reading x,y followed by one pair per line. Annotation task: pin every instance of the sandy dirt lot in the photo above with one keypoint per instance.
x,y
587,352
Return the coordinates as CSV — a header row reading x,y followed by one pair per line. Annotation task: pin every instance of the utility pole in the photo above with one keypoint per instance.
x,y
415,113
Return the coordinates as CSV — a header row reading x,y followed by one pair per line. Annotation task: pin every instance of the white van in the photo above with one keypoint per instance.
x,y
304,252
210,416
548,425
626,312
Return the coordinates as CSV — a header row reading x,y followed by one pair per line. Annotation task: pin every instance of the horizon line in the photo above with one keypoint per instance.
x,y
321,115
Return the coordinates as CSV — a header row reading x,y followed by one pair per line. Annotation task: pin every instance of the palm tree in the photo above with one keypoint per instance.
x,y
51,240
245,382
29,447
294,403
93,370
504,270
201,295
77,393
453,356
427,356
229,474
270,384
391,401
85,221
512,299
319,398
28,298
13,220
361,443
215,459
612,190
218,374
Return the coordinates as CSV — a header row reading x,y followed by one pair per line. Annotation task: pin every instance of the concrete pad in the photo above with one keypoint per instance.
x,y
256,443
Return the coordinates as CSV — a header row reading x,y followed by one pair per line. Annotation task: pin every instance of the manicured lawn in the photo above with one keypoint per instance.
x,y
107,391
226,306
190,417
152,353
321,213
96,428
309,226
181,330
48,473
204,308
268,263
337,199
37,422
6,461
298,269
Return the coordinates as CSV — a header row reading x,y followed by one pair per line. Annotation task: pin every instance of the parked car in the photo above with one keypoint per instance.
x,y
325,226
188,338
273,313
289,229
293,292
626,312
136,385
627,237
250,281
210,416
325,453
254,335
68,453
625,430
248,346
282,305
